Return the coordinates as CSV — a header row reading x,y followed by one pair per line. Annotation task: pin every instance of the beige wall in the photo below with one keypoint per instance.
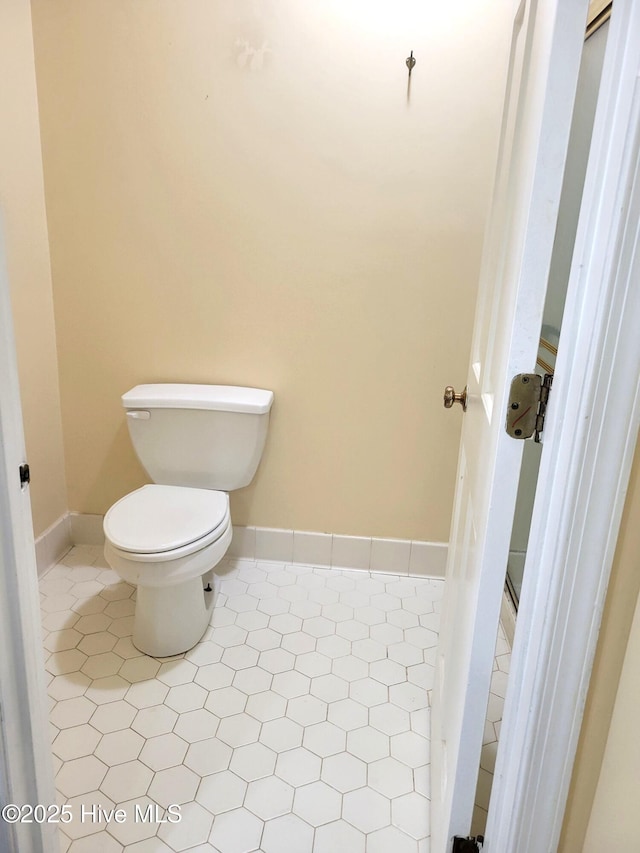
x,y
608,707
244,193
27,250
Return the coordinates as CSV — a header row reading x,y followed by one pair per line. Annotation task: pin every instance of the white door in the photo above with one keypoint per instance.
x,y
543,67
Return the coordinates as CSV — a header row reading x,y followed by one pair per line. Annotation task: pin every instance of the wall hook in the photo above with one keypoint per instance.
x,y
410,61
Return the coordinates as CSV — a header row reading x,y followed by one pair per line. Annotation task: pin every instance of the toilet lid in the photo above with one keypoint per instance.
x,y
156,518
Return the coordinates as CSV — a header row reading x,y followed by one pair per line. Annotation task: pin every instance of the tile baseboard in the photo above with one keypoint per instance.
x,y
370,554
53,544
303,547
86,529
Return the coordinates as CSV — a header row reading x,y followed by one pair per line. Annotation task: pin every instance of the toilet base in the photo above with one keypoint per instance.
x,y
172,619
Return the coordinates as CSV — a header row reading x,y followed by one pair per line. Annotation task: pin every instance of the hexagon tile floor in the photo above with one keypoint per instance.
x,y
300,724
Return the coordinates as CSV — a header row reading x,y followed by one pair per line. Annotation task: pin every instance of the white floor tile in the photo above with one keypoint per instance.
x,y
126,781
317,803
75,742
286,834
410,813
269,797
338,835
254,761
163,751
368,744
367,810
236,831
299,724
72,712
193,828
391,838
222,792
344,772
324,739
298,767
208,756
119,747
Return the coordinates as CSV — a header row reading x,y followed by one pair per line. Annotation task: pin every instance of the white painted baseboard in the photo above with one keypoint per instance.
x,y
54,543
371,554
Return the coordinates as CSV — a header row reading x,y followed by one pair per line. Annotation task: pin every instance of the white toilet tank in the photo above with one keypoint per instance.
x,y
205,436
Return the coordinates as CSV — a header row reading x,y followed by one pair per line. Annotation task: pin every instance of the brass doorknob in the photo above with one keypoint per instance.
x,y
450,397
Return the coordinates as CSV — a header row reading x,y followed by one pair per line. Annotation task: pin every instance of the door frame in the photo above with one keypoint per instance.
x,y
26,768
591,433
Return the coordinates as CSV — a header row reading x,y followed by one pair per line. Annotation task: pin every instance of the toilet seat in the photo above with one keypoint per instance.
x,y
159,523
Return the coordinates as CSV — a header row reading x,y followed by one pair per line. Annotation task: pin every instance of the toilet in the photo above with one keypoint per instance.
x,y
196,443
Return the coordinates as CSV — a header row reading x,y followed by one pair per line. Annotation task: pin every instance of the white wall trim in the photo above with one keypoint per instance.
x,y
53,544
302,547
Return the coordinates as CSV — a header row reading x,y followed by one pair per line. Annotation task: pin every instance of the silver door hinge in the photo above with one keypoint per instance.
x,y
528,400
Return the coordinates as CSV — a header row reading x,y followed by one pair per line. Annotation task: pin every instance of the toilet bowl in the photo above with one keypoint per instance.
x,y
196,442
166,540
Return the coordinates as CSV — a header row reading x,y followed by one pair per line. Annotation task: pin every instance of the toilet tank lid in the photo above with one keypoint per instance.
x,y
224,398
